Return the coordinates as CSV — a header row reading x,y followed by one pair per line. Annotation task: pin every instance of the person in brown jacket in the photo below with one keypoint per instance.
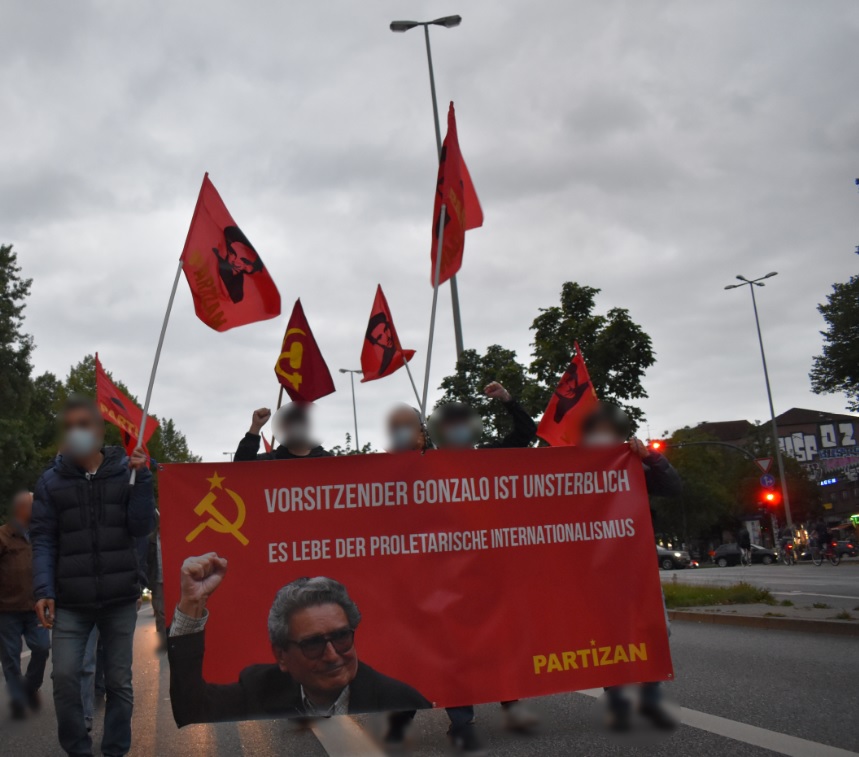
x,y
17,616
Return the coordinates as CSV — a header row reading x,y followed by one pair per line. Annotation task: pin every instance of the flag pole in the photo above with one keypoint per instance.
x,y
441,217
414,388
280,397
155,366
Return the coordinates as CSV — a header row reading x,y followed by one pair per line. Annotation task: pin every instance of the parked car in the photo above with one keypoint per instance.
x,y
670,559
847,548
763,555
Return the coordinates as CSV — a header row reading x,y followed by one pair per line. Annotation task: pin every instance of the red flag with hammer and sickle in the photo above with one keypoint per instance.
x,y
117,409
382,353
300,367
462,208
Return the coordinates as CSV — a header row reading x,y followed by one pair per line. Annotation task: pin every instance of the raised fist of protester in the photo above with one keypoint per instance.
x,y
260,418
495,391
639,447
200,576
138,460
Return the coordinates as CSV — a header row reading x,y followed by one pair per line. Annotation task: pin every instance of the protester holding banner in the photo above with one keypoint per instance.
x,y
457,426
317,673
609,426
406,431
73,594
292,430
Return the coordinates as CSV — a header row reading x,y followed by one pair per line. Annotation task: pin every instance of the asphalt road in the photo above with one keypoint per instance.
x,y
837,586
748,692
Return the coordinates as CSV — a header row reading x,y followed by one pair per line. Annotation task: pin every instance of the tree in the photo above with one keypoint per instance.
x,y
347,450
837,369
17,451
616,350
474,372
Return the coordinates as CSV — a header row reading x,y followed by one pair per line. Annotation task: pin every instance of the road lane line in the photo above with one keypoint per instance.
x,y
782,743
343,737
813,594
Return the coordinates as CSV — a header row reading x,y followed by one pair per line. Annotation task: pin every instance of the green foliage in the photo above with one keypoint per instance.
x,y
617,353
837,369
347,448
688,595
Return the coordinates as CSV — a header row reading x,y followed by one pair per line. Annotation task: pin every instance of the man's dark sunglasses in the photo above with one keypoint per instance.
x,y
314,647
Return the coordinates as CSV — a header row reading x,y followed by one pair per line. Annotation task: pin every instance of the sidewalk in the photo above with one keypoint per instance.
x,y
786,618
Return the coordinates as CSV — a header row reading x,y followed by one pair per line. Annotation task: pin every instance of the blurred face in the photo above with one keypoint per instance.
x,y
326,676
602,435
295,430
457,434
83,434
404,430
22,507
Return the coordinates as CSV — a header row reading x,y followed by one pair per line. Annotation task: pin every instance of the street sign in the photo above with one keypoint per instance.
x,y
768,481
764,463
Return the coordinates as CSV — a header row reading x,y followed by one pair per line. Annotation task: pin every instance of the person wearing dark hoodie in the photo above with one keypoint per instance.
x,y
456,425
609,426
88,523
292,430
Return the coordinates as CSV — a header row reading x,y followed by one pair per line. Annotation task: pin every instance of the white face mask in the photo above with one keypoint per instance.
x,y
459,436
80,443
401,439
601,439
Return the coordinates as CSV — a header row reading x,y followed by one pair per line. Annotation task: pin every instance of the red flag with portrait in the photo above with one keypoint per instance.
x,y
117,409
382,353
462,208
300,367
229,283
572,401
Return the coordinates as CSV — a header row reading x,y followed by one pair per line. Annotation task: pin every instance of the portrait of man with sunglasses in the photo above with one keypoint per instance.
x,y
316,671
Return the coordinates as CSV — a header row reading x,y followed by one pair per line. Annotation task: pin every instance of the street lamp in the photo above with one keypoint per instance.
x,y
448,22
352,373
751,284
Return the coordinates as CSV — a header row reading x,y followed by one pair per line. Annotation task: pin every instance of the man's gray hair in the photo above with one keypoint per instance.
x,y
307,592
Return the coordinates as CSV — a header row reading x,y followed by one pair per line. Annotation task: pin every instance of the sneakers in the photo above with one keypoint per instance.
x,y
519,717
619,717
464,740
659,716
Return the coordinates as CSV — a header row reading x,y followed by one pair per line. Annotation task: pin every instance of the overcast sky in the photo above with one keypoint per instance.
x,y
651,149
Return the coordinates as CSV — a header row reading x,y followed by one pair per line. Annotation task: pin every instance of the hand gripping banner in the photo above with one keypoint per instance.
x,y
464,577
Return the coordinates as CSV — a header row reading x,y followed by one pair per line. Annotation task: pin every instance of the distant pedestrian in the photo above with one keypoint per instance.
x,y
292,430
17,617
88,522
744,542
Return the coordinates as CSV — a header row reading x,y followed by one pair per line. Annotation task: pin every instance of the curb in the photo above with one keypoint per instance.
x,y
837,628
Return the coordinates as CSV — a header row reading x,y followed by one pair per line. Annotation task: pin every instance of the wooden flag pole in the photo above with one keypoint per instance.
x,y
155,366
441,217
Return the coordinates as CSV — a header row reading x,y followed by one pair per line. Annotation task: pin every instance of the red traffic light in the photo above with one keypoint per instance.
x,y
771,497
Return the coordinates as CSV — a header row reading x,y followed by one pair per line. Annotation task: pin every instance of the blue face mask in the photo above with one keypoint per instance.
x,y
80,443
402,439
459,435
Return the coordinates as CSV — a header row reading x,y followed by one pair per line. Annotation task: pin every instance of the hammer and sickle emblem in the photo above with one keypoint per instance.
x,y
294,356
217,521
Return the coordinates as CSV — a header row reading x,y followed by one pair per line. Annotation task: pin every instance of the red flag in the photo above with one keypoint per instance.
x,y
573,400
300,368
265,443
230,285
117,409
382,353
462,208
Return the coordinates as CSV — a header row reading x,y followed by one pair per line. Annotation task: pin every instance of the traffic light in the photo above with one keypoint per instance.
x,y
770,497
656,445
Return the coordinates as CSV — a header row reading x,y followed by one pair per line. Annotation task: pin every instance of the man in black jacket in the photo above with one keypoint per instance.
x,y
290,428
87,522
311,628
609,426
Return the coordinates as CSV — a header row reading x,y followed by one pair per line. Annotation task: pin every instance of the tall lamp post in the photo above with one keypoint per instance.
x,y
448,22
352,373
751,284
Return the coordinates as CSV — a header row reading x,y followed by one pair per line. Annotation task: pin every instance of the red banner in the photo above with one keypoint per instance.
x,y
481,576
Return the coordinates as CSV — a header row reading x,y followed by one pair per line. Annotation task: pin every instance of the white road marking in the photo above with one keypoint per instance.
x,y
793,746
343,737
812,594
